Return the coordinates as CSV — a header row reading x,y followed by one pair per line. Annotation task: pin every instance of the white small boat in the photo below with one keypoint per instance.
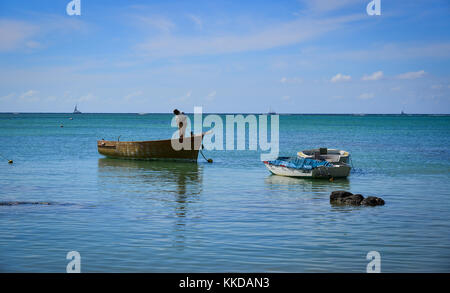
x,y
312,165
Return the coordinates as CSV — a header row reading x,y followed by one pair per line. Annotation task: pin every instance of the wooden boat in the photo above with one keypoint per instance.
x,y
152,150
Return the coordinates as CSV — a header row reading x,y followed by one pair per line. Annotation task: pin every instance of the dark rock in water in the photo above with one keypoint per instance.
x,y
14,203
342,197
345,198
372,201
339,194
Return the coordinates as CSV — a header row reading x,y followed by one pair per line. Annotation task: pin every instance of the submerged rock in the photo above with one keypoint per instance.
x,y
372,201
14,203
341,197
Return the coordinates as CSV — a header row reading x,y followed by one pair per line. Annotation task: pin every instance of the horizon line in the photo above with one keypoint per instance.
x,y
223,113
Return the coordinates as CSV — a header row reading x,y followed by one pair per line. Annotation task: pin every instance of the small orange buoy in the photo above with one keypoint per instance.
x,y
10,161
331,179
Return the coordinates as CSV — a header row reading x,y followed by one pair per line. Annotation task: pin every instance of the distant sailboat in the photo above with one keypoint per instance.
x,y
403,113
271,112
76,111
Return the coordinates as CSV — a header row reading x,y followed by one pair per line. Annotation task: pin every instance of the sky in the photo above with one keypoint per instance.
x,y
298,56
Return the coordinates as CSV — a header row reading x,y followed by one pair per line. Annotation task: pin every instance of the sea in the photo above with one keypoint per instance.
x,y
60,195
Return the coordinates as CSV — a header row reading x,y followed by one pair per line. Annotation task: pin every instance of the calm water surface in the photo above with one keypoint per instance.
x,y
232,215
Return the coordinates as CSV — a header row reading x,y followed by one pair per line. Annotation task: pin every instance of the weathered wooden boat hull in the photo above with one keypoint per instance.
x,y
151,150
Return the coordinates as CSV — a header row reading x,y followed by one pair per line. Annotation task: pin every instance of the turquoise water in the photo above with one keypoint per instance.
x,y
229,216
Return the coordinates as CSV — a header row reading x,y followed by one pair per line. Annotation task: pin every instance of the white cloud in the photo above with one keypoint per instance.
x,y
340,77
411,75
182,98
133,95
321,6
196,20
390,51
16,34
366,96
29,96
272,36
374,76
211,96
291,80
87,97
155,22
8,97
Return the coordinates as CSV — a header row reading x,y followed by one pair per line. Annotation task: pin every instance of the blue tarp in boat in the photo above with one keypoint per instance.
x,y
299,163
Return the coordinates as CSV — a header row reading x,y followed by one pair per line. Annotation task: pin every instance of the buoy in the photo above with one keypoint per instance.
x,y
210,160
10,161
61,125
331,179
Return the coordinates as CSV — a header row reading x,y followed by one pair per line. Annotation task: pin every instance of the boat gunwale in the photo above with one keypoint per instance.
x,y
149,141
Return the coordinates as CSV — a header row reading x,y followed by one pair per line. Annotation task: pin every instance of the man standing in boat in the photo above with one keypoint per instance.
x,y
181,123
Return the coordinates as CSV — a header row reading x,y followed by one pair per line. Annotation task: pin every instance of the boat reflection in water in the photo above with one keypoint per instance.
x,y
315,186
310,189
155,193
153,180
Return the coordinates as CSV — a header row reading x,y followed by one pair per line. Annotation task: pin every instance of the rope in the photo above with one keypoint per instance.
x,y
208,160
9,161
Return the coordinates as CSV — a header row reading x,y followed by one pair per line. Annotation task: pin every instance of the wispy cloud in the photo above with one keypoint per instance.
x,y
133,95
390,51
374,76
273,36
366,96
29,96
8,97
321,6
196,20
87,97
211,96
159,23
16,34
411,75
436,86
291,80
340,77
183,98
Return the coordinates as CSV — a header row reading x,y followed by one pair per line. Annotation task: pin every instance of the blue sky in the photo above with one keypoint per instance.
x,y
299,56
